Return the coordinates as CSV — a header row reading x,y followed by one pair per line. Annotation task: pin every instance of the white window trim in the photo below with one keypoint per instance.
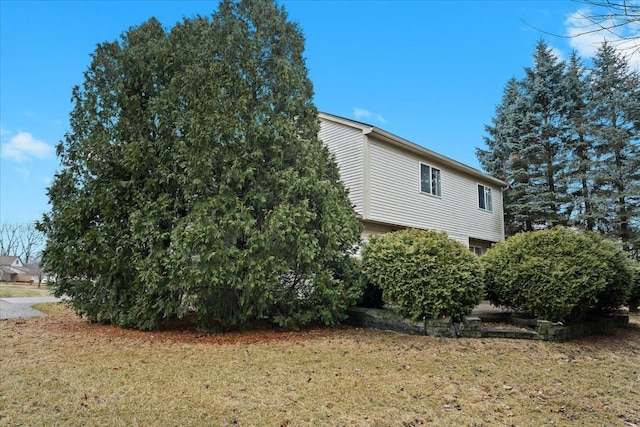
x,y
486,196
431,168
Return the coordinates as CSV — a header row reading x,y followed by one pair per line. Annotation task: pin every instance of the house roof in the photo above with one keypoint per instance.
x,y
13,270
33,268
413,147
7,260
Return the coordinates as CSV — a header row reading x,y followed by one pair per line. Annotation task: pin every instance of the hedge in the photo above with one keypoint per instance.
x,y
424,272
557,274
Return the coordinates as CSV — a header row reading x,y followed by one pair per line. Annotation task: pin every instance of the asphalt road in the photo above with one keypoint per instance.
x,y
11,308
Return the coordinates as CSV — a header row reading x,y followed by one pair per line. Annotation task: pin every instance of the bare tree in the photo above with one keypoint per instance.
x,y
9,238
22,240
618,19
31,243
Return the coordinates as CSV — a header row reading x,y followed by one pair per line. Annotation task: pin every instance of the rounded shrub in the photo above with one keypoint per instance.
x,y
634,298
619,275
557,274
424,272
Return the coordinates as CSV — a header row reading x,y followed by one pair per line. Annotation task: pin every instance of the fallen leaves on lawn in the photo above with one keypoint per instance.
x,y
62,370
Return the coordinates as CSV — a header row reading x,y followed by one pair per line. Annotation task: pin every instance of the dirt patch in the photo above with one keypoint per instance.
x,y
70,323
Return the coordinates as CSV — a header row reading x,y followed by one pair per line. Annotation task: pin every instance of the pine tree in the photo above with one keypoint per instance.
x,y
567,140
193,180
503,157
579,144
543,144
614,122
526,145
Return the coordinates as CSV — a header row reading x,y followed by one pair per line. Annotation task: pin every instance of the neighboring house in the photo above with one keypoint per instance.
x,y
37,275
396,184
12,270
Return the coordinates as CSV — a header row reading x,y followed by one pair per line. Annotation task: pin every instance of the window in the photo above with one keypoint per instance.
x,y
430,180
484,198
476,250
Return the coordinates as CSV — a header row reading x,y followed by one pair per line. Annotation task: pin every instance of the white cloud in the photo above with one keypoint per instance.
x,y
361,113
24,145
24,173
586,37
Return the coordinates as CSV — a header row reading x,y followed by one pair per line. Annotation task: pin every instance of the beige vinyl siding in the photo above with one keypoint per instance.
x,y
372,229
347,144
395,196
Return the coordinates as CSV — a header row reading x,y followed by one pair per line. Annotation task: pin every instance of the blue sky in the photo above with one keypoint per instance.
x,y
429,71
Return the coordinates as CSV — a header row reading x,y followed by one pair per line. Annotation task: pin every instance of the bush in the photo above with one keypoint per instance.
x,y
557,274
619,275
175,201
424,272
372,296
634,299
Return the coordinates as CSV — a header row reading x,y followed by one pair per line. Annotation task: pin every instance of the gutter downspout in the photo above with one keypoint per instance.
x,y
366,174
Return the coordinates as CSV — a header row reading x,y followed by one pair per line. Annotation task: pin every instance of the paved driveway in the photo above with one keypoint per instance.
x,y
21,307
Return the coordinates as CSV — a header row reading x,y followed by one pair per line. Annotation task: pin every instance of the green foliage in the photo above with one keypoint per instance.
x,y
566,139
193,180
526,144
614,116
634,298
557,274
424,272
619,274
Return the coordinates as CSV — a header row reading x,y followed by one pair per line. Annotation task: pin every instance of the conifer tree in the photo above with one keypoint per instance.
x,y
527,145
580,150
567,140
544,143
503,157
193,180
614,123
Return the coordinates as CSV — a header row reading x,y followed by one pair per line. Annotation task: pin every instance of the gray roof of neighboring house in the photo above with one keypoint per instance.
x,y
14,270
32,268
7,260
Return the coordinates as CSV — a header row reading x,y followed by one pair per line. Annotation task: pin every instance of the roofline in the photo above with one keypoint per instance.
x,y
411,146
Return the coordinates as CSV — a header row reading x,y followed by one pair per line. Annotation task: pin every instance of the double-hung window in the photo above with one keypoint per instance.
x,y
430,180
484,198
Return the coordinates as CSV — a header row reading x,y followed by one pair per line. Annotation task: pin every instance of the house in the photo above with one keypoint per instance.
x,y
395,184
13,270
37,275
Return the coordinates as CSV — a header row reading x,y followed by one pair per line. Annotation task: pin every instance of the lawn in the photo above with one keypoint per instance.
x,y
60,370
8,290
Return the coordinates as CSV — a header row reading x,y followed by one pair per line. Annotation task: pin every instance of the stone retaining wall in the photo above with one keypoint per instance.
x,y
472,326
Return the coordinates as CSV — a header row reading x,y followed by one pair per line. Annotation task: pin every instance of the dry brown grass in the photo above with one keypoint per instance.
x,y
51,308
59,370
8,290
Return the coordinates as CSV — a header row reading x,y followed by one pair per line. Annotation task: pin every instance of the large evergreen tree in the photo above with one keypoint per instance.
x,y
544,118
614,121
503,158
193,180
526,145
566,138
581,165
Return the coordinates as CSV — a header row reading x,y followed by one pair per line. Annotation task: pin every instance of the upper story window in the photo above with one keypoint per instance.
x,y
430,180
484,198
